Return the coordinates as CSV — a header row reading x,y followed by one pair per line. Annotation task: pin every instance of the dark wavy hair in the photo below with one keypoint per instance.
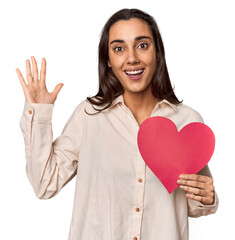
x,y
109,86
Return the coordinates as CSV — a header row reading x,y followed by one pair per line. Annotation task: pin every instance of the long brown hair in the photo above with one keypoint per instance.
x,y
109,85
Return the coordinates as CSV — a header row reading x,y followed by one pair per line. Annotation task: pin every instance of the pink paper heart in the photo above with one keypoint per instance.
x,y
169,153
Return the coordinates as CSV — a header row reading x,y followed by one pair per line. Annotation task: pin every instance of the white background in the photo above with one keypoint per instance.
x,y
199,40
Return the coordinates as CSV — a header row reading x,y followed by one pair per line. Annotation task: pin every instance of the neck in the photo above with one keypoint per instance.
x,y
140,103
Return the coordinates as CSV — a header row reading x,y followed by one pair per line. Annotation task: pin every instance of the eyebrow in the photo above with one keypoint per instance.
x,y
136,39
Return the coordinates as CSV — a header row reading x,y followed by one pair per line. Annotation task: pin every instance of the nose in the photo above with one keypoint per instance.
x,y
132,57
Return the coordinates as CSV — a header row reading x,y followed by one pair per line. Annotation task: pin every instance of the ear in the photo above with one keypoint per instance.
x,y
109,64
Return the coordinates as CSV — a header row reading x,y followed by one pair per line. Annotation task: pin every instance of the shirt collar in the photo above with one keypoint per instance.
x,y
163,102
166,102
117,100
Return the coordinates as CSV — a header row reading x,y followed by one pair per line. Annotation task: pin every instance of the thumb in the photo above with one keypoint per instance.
x,y
57,88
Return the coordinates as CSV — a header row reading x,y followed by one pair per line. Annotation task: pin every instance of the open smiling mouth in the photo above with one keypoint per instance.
x,y
135,74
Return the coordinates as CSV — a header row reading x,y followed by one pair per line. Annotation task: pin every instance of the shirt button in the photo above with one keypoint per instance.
x,y
30,112
140,180
137,209
135,238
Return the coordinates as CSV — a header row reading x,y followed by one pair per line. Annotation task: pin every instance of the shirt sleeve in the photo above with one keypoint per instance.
x,y
196,208
49,165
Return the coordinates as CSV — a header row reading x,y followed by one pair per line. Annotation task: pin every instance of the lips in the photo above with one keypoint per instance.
x,y
134,74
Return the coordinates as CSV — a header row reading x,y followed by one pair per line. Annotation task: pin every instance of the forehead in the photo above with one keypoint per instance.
x,y
129,29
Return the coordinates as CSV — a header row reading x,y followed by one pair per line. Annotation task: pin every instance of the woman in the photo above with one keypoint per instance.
x,y
117,196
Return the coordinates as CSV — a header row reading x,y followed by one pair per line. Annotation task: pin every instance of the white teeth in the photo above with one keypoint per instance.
x,y
134,72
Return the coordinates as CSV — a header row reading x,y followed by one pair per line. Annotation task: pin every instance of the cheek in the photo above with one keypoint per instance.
x,y
116,63
151,59
116,60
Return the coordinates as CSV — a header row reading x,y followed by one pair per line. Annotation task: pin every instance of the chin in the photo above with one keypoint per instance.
x,y
138,90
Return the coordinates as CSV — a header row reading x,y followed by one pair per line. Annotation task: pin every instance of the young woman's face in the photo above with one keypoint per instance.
x,y
132,54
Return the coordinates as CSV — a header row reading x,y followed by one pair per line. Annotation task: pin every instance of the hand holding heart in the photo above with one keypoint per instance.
x,y
169,153
198,187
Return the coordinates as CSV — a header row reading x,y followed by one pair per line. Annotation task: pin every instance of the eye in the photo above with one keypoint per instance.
x,y
118,49
143,45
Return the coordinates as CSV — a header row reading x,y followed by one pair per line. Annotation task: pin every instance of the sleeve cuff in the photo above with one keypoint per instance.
x,y
38,111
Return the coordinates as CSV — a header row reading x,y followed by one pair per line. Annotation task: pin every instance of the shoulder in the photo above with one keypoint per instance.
x,y
85,107
187,114
80,110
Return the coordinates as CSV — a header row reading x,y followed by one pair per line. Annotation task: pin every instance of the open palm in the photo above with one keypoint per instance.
x,y
36,91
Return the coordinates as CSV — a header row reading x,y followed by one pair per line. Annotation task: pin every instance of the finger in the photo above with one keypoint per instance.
x,y
28,72
190,183
203,200
197,191
201,185
197,177
43,71
197,184
57,89
22,81
35,68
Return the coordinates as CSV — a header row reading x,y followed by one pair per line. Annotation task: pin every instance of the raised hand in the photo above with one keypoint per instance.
x,y
35,91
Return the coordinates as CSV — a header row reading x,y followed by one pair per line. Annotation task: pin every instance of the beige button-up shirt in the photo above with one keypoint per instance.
x,y
117,196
